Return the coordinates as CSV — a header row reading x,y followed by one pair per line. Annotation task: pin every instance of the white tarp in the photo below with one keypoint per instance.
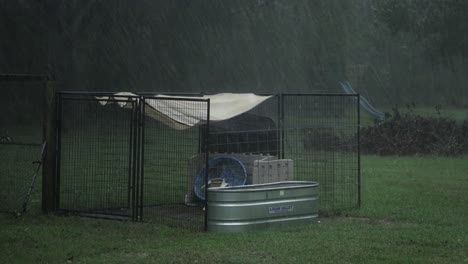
x,y
183,114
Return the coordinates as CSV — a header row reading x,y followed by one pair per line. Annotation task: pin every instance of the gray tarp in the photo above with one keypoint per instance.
x,y
181,114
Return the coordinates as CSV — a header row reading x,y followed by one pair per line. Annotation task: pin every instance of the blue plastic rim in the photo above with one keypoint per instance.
x,y
231,169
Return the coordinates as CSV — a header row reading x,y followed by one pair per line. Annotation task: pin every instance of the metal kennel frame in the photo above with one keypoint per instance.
x,y
117,162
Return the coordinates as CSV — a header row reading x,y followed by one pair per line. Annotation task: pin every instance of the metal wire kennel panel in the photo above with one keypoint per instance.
x,y
255,131
321,134
126,160
98,161
144,158
302,137
21,139
242,147
173,160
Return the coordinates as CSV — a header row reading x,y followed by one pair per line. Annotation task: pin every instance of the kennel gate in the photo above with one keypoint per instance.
x,y
97,159
118,162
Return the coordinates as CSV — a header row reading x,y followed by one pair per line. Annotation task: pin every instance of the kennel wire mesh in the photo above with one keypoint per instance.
x,y
125,161
21,138
321,134
306,137
98,147
173,160
254,132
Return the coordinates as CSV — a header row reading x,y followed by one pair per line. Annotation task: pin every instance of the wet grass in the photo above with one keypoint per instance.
x,y
413,211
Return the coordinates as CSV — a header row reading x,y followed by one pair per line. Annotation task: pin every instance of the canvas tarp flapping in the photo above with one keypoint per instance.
x,y
183,114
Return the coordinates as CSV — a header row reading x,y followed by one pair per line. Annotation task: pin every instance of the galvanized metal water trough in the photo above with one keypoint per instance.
x,y
252,207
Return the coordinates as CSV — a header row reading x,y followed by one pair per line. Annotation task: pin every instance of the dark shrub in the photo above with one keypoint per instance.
x,y
408,134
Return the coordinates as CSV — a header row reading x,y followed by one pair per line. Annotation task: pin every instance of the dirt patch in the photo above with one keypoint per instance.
x,y
366,220
137,254
370,220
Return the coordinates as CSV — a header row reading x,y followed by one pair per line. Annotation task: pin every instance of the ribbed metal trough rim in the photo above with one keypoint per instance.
x,y
266,186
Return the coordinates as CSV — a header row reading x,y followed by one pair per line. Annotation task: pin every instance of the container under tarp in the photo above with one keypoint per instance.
x,y
182,114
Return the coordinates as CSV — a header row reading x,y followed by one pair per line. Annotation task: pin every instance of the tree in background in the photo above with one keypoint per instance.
x,y
440,25
391,50
411,51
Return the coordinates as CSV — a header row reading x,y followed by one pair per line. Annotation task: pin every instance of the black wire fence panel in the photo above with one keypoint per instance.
x,y
321,136
137,157
173,161
254,132
21,116
16,175
97,154
296,137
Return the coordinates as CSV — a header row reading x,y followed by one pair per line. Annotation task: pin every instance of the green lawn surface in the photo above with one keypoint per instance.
x,y
414,210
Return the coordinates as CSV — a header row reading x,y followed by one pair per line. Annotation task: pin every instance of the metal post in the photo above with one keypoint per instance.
x,y
359,147
207,134
130,149
49,195
278,121
142,154
135,113
58,156
282,125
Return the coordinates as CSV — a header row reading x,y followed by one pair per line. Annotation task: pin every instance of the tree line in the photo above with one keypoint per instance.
x,y
392,51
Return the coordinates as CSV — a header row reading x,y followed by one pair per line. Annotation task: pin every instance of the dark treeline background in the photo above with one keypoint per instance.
x,y
391,51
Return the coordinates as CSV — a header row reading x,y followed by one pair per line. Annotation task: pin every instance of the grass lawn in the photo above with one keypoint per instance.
x,y
414,210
